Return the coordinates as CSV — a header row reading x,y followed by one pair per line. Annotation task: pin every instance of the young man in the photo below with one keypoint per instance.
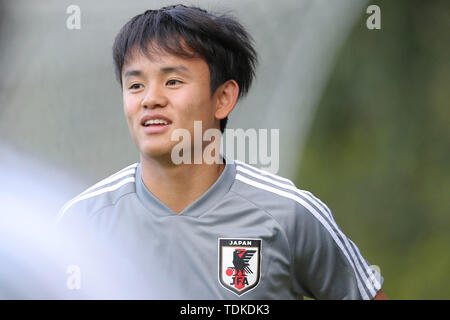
x,y
206,231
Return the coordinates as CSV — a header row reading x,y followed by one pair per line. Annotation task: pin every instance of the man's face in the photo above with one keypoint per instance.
x,y
164,94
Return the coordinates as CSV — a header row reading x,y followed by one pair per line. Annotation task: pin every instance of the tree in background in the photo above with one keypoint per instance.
x,y
378,151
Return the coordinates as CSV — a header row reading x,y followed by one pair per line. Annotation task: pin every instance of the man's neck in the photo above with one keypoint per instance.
x,y
177,186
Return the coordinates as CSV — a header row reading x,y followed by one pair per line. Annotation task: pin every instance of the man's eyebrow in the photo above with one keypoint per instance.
x,y
175,69
131,73
164,70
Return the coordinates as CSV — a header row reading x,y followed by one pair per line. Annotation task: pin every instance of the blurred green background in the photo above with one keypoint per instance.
x,y
378,151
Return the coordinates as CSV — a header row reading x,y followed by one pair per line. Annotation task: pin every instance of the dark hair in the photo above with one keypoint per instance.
x,y
190,32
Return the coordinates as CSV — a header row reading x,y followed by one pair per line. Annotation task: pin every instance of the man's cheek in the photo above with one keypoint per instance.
x,y
130,113
132,125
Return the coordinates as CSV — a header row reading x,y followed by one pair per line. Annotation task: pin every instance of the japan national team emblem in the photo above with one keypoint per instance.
x,y
239,264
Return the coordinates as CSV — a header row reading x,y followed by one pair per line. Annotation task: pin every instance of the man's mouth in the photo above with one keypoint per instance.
x,y
156,122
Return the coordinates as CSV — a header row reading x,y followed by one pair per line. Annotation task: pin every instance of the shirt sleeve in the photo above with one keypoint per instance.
x,y
325,263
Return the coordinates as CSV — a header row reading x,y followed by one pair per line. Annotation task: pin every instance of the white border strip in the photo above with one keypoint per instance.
x,y
113,177
93,194
265,173
279,184
109,180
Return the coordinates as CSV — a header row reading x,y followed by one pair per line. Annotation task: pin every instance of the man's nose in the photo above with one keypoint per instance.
x,y
154,98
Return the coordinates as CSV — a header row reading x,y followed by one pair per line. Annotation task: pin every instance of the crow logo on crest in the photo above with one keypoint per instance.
x,y
240,260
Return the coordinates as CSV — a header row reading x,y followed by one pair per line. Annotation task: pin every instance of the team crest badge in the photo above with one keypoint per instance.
x,y
239,264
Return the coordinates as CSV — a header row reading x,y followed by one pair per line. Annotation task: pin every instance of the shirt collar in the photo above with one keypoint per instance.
x,y
204,203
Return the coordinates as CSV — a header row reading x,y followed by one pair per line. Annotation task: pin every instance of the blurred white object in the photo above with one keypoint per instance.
x,y
35,256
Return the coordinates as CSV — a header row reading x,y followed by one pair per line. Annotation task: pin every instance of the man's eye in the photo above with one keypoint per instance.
x,y
173,82
136,86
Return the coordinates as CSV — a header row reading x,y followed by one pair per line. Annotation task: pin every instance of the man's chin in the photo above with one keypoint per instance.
x,y
157,154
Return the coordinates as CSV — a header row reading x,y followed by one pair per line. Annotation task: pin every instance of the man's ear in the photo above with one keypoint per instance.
x,y
226,97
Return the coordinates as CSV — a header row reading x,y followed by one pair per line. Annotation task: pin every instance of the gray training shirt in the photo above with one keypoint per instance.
x,y
252,235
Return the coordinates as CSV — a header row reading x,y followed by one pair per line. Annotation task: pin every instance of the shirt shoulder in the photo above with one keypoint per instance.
x,y
303,217
278,196
317,245
102,194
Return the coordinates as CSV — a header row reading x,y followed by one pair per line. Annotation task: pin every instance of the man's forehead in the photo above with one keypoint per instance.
x,y
162,63
152,58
